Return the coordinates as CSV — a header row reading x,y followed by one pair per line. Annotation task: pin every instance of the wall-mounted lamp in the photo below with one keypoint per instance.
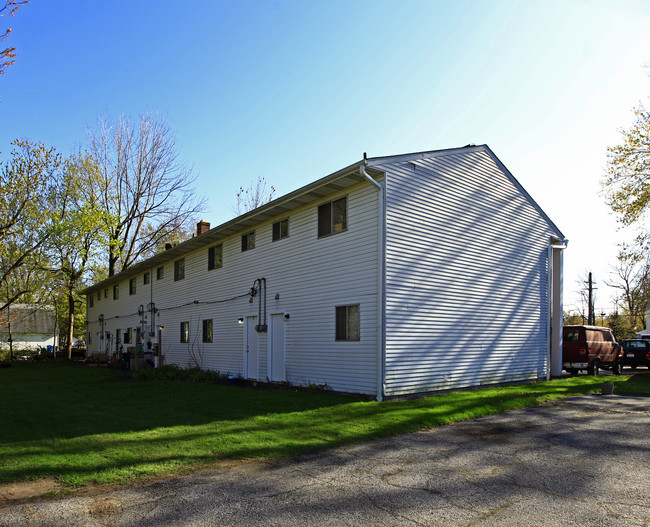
x,y
287,316
277,296
240,321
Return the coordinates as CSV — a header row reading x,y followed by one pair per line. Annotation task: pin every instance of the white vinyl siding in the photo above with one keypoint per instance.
x,y
466,276
311,275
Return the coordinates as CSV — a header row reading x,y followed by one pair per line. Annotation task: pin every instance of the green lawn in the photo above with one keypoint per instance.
x,y
81,425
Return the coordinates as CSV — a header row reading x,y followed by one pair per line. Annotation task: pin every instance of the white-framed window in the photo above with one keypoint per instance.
x,y
248,241
207,330
280,230
179,269
215,257
185,332
333,217
348,322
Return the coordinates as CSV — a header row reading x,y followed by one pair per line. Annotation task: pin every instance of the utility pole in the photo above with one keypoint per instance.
x,y
591,315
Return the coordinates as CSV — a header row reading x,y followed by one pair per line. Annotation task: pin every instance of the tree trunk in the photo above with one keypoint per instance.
x,y
71,312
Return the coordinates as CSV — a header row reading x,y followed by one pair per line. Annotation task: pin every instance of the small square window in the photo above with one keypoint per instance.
x,y
207,330
160,273
132,284
248,241
116,291
333,217
185,332
215,257
179,270
91,300
146,278
281,229
347,322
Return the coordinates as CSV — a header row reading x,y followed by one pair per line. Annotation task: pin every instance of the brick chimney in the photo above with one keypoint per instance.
x,y
201,227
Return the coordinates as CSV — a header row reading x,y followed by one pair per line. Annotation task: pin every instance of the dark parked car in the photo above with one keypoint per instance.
x,y
589,348
636,352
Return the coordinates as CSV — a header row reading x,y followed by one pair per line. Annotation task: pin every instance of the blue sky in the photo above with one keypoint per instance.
x,y
296,90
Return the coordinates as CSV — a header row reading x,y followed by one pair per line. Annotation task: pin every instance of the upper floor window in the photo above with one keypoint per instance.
x,y
132,286
333,217
145,278
281,229
207,330
248,241
116,291
99,295
347,322
106,293
160,273
90,300
179,270
215,257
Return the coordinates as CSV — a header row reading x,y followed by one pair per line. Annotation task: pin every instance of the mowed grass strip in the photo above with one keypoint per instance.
x,y
81,425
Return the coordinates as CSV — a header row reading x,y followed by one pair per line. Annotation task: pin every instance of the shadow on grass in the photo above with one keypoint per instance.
x,y
117,431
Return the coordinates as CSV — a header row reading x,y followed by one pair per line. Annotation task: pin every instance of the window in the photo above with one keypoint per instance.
x,y
145,278
128,336
160,273
207,330
116,292
185,331
90,300
99,295
281,229
333,217
179,270
347,322
106,293
248,241
215,257
132,286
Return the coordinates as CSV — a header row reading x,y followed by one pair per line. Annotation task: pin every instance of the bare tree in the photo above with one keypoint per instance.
x,y
257,193
7,55
144,187
630,277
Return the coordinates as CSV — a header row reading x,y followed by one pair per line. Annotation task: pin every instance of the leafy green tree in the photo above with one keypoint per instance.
x,y
627,182
26,184
78,232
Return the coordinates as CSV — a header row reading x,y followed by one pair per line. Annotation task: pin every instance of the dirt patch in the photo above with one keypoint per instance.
x,y
27,489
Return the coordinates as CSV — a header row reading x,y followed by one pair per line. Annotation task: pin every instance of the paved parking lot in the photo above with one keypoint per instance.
x,y
581,461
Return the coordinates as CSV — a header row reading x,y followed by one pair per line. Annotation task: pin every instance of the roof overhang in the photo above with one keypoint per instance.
x,y
315,191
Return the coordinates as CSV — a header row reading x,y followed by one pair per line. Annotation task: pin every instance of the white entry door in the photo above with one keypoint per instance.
x,y
251,349
276,359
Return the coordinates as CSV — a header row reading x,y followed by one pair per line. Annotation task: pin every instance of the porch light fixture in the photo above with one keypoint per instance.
x,y
240,321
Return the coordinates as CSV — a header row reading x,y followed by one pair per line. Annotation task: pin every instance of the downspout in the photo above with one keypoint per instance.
x,y
381,317
549,309
556,249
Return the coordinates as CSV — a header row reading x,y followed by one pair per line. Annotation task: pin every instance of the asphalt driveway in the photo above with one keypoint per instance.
x,y
582,461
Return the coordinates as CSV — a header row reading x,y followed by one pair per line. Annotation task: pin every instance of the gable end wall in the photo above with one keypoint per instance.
x,y
466,276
